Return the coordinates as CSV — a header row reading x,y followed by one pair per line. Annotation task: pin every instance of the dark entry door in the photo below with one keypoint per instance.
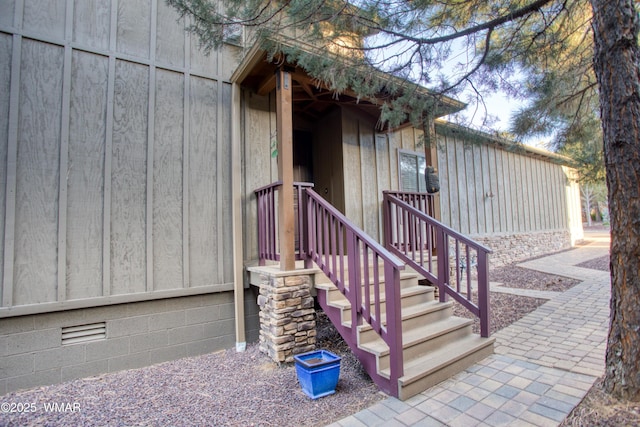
x,y
302,156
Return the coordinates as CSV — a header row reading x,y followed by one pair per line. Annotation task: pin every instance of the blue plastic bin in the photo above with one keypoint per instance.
x,y
318,372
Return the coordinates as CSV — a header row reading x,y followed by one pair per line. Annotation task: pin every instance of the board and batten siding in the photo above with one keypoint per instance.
x,y
370,161
486,189
115,161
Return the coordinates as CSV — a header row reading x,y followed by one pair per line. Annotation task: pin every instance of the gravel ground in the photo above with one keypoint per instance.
x,y
599,409
220,389
601,263
522,278
247,389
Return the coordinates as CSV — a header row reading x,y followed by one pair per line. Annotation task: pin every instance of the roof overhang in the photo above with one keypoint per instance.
x,y
257,72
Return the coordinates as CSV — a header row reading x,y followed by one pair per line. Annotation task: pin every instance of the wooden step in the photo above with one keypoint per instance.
x,y
422,341
430,369
409,297
414,317
407,279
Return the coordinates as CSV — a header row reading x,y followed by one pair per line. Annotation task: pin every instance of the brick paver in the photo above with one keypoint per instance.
x,y
543,364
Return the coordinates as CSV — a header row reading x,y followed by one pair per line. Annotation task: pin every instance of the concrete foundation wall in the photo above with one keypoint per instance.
x,y
511,247
137,335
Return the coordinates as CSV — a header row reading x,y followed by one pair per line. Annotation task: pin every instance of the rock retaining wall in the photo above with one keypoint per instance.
x,y
510,248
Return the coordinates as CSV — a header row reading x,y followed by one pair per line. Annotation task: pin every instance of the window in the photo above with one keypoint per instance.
x,y
411,166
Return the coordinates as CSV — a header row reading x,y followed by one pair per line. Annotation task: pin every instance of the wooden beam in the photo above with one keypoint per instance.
x,y
284,128
267,85
307,88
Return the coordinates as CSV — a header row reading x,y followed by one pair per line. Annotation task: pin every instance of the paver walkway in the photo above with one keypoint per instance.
x,y
543,364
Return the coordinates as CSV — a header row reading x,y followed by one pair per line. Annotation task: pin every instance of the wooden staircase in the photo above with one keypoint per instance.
x,y
405,339
436,344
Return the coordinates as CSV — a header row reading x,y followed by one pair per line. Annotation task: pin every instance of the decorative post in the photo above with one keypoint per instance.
x,y
284,128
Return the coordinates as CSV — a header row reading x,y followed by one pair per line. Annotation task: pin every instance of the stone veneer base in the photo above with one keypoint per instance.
x,y
287,314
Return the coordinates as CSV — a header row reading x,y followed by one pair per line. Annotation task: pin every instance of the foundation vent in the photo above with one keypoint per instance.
x,y
84,333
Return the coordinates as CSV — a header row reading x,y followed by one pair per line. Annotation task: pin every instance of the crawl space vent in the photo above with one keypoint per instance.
x,y
84,333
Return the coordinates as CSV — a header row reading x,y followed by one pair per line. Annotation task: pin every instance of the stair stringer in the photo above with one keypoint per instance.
x,y
368,360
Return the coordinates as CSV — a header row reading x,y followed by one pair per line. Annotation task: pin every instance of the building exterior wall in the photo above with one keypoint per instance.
x,y
137,335
518,204
116,154
115,188
486,191
371,166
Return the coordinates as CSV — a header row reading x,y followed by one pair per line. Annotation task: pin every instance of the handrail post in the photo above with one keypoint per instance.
x,y
304,233
354,290
443,264
483,293
394,325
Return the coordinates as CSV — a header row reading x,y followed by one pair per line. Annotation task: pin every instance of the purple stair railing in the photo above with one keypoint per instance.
x,y
268,221
331,237
443,256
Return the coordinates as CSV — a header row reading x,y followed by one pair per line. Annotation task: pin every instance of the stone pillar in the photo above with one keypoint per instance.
x,y
287,315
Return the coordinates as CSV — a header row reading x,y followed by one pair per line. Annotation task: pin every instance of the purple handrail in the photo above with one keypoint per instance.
x,y
268,245
424,202
330,235
414,236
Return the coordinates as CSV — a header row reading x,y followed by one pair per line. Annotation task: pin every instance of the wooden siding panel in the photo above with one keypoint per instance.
x,y
257,154
545,196
553,201
454,192
548,195
516,191
564,190
445,181
480,200
487,202
134,23
224,176
91,23
460,164
370,207
394,144
352,168
542,213
383,159
203,175
36,236
170,36
557,196
167,182
5,95
522,170
7,11
466,164
407,136
200,62
511,200
496,188
129,172
534,213
534,210
45,17
87,130
383,156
